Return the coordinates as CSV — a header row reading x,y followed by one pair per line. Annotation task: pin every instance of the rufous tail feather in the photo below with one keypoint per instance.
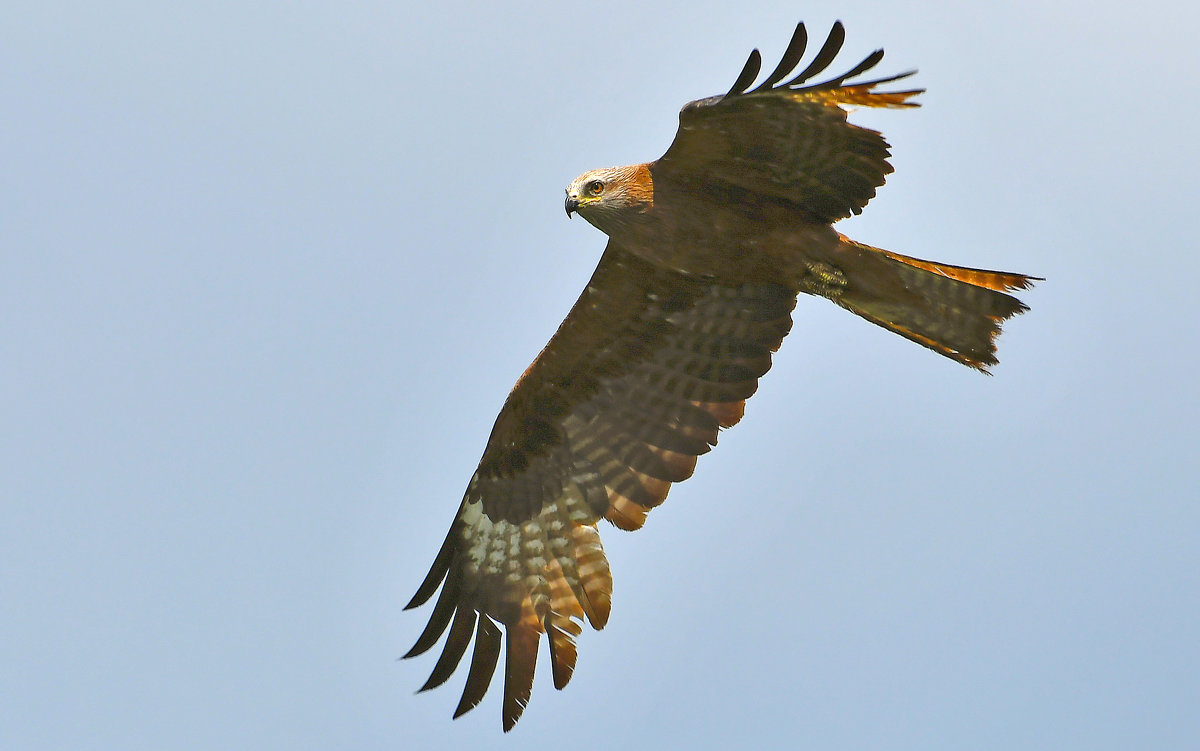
x,y
954,310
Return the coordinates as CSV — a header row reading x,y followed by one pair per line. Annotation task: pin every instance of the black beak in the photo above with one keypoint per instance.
x,y
571,204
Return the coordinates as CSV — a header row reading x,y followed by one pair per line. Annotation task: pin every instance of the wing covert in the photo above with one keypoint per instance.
x,y
789,141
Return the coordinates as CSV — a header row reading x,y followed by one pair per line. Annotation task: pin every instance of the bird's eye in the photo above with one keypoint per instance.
x,y
595,188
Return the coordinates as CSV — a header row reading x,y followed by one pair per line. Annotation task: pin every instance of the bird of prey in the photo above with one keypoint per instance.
x,y
708,249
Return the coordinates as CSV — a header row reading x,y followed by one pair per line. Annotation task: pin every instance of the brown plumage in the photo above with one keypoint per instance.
x,y
709,247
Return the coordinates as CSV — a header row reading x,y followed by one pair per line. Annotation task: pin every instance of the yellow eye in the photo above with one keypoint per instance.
x,y
594,188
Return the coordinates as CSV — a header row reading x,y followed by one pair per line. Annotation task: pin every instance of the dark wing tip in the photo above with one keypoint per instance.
x,y
791,58
437,572
829,50
868,62
443,611
456,645
748,74
520,659
483,665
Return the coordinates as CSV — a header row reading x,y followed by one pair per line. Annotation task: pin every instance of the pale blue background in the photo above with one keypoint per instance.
x,y
268,270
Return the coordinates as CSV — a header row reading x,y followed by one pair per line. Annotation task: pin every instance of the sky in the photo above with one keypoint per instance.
x,y
268,271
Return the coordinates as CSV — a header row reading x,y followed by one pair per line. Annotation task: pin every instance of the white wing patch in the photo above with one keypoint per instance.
x,y
552,563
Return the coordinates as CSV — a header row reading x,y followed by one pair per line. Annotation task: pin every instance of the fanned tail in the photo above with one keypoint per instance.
x,y
954,310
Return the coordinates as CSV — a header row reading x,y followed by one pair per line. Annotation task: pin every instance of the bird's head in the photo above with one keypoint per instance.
x,y
612,197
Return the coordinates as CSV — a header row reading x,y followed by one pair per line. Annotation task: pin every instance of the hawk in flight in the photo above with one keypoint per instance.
x,y
708,249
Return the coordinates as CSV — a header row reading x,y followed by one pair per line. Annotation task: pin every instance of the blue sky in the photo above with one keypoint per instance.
x,y
268,270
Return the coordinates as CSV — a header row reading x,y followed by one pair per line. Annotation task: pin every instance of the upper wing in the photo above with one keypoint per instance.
x,y
787,141
634,385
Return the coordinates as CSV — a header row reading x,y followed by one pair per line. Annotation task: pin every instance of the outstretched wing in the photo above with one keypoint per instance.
x,y
635,384
787,141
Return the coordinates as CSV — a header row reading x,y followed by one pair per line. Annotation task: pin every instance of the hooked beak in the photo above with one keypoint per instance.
x,y
571,204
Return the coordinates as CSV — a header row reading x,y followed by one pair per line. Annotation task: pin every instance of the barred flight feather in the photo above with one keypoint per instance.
x,y
604,438
709,248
